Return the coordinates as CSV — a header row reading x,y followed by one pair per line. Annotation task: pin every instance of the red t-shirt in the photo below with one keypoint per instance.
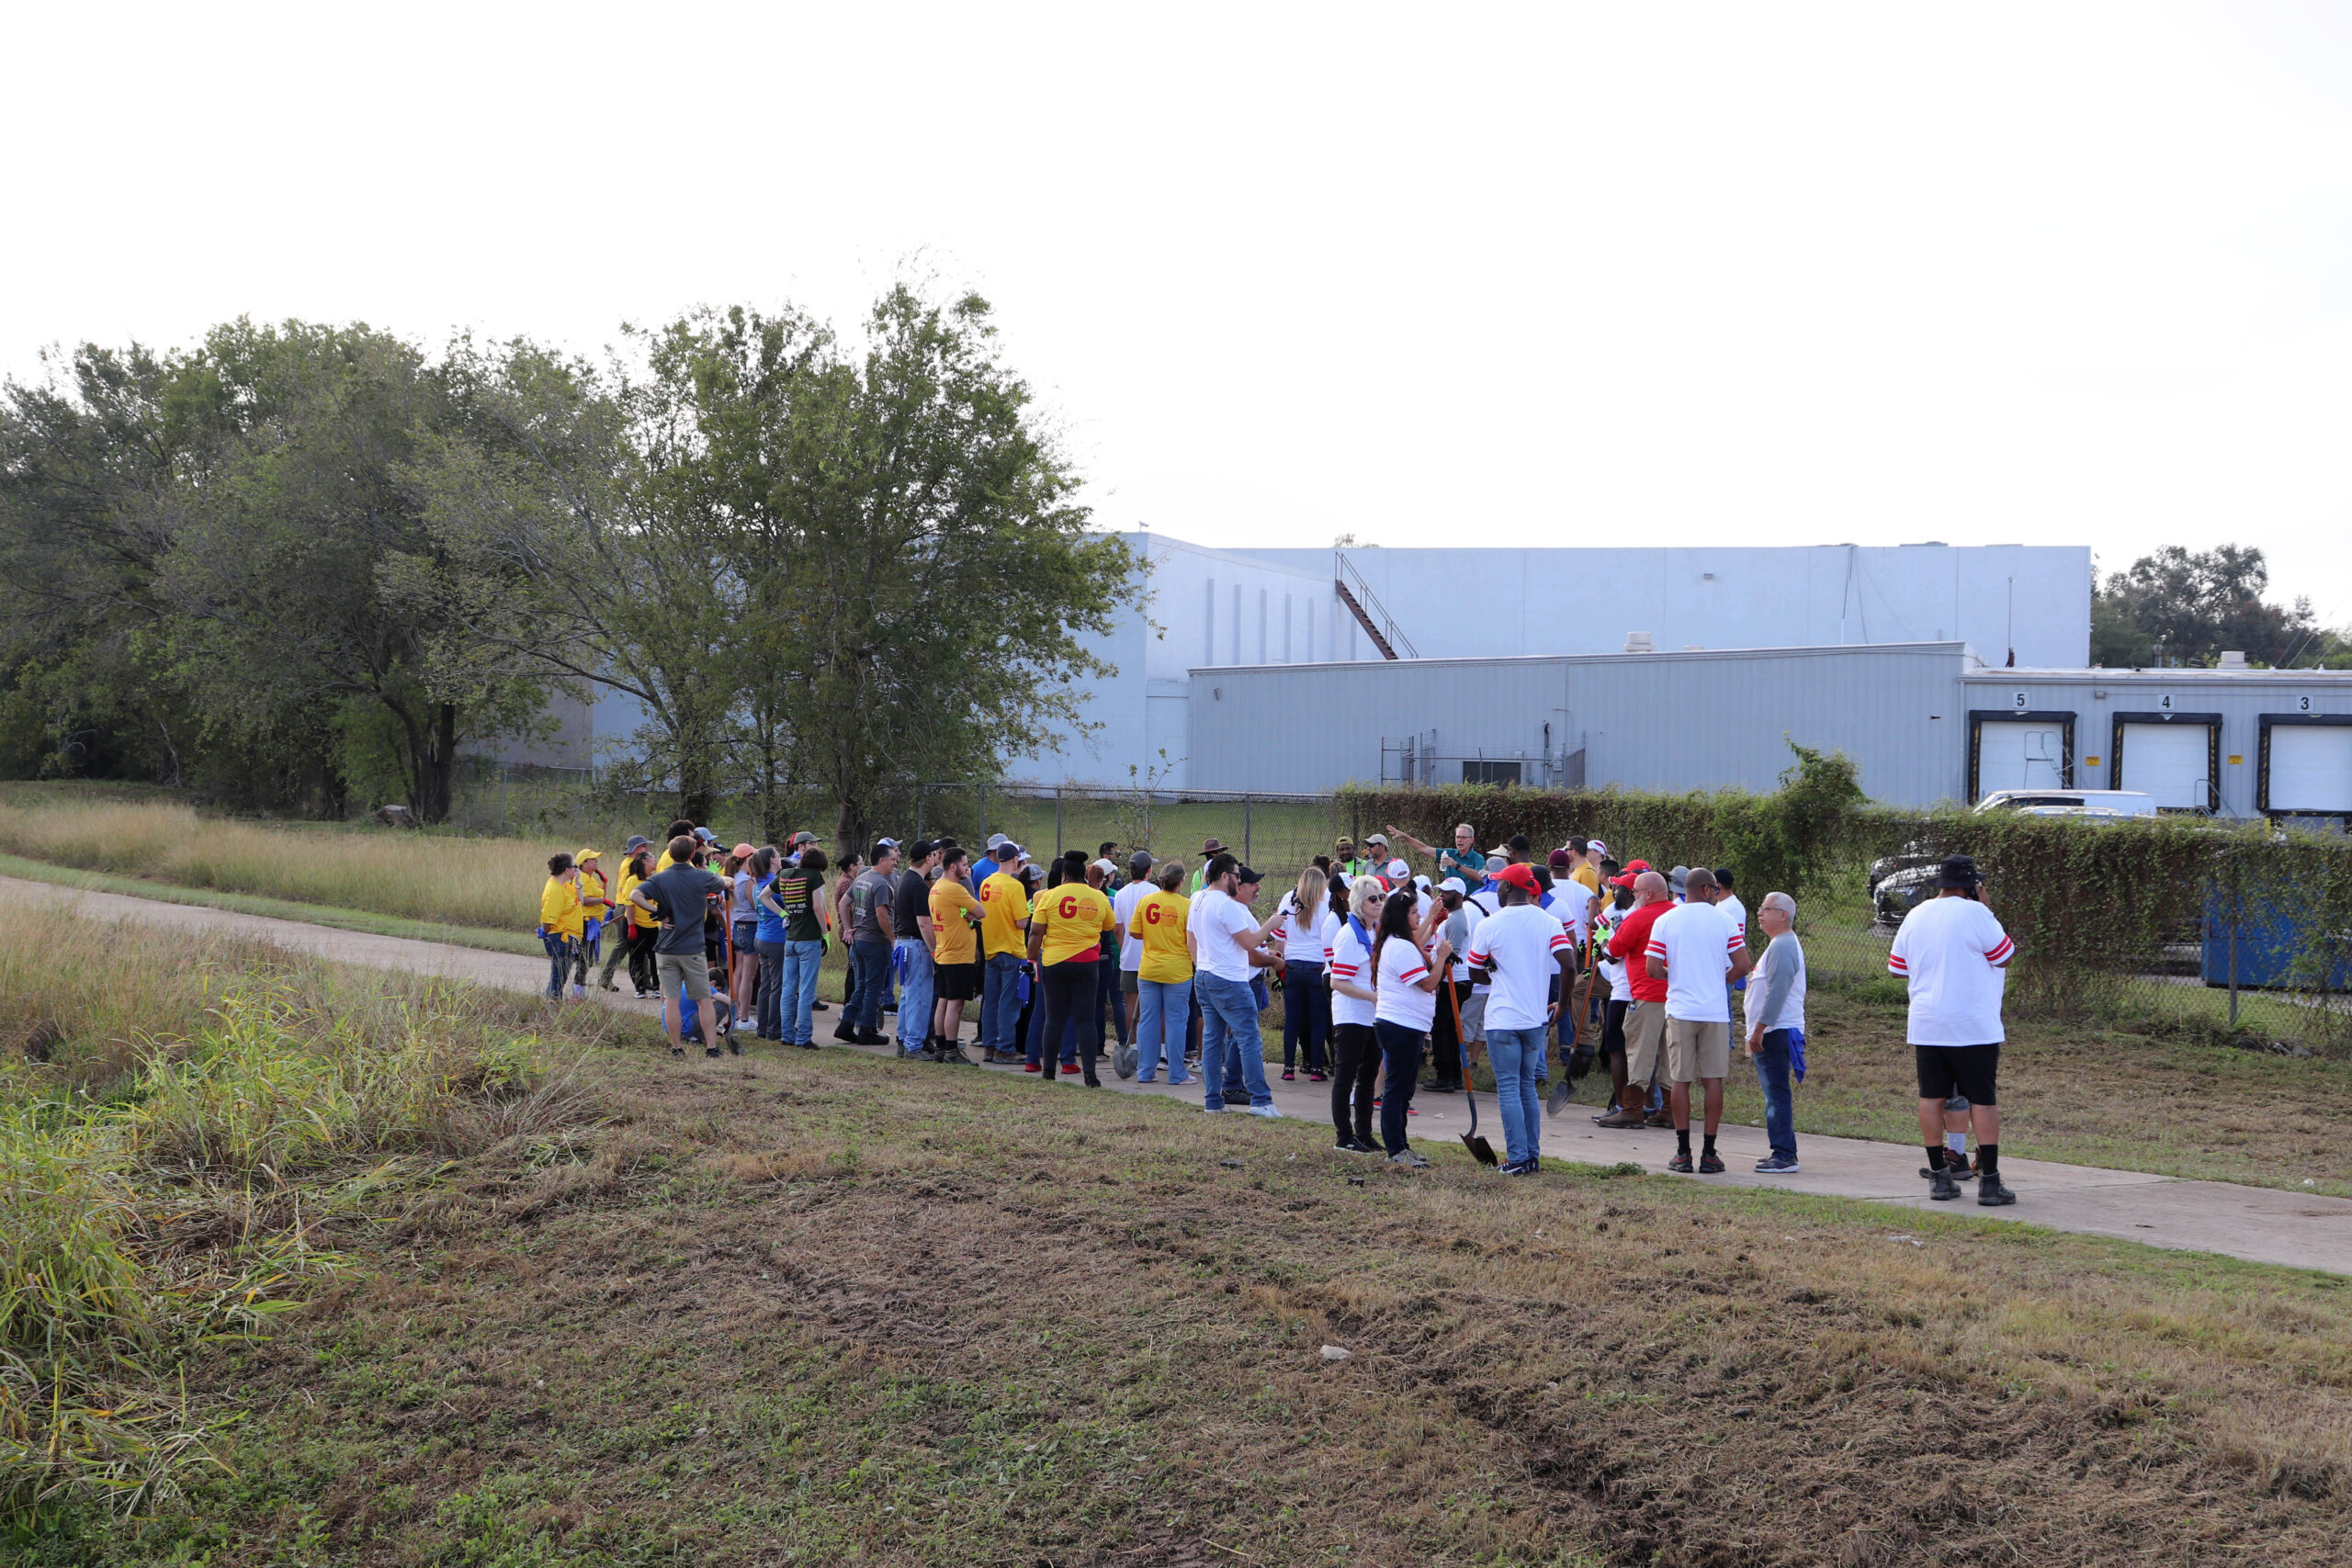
x,y
1631,942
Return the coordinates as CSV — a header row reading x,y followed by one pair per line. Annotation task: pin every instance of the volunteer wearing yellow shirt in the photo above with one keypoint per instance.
x,y
595,904
617,924
1005,919
560,918
956,918
1066,930
1164,980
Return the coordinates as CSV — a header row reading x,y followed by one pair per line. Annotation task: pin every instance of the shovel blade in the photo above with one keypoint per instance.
x,y
1480,1150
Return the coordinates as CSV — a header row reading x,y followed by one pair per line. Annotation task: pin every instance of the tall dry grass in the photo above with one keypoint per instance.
x,y
178,1121
462,882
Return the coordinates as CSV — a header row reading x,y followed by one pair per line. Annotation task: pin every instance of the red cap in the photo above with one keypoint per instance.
x,y
1520,877
1636,868
1625,881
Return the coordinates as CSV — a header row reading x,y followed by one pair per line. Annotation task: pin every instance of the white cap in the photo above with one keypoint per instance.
x,y
1422,883
1598,848
1396,871
1104,866
1451,884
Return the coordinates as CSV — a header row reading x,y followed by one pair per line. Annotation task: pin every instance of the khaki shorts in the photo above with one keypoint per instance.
x,y
1645,1039
1695,1050
683,975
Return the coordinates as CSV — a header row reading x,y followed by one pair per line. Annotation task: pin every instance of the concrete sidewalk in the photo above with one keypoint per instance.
x,y
2257,1223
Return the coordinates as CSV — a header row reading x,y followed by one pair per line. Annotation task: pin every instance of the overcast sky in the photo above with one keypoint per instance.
x,y
1558,275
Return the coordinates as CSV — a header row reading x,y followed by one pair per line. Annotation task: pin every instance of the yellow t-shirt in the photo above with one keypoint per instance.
x,y
592,887
1159,920
1588,875
1004,904
1074,917
952,938
622,908
559,908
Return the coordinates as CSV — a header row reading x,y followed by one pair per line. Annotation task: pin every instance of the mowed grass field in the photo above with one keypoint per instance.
x,y
812,1309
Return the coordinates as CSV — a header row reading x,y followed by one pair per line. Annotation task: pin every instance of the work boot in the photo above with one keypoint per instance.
x,y
1992,1191
1941,1187
1628,1114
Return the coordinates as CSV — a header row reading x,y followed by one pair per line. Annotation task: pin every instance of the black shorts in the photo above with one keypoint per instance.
x,y
1947,1070
1612,1033
953,983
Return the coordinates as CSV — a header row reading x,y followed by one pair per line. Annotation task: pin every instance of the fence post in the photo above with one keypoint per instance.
x,y
2237,900
1058,822
1245,829
505,775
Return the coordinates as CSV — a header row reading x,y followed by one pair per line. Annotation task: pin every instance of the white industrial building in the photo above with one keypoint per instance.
x,y
1212,609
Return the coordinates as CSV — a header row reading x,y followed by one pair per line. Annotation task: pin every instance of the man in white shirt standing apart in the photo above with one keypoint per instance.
x,y
1955,957
1227,941
1692,948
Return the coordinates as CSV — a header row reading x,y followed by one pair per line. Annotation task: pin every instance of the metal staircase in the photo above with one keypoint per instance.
x,y
1369,612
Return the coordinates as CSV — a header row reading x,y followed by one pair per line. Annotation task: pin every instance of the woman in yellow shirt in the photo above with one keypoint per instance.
x,y
1067,926
955,918
618,928
560,922
1164,979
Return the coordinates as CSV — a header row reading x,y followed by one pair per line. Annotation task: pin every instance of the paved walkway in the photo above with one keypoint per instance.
x,y
2258,1224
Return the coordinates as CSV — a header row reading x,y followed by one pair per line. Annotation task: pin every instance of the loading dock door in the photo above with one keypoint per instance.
x,y
2024,751
2170,756
2307,765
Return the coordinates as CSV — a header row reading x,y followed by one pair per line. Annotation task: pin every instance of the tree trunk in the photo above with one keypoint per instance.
x,y
850,829
436,767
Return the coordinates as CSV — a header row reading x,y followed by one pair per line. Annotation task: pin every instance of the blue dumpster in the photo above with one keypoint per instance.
x,y
2269,941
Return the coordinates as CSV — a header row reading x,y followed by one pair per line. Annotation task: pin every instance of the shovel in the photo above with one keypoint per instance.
x,y
1480,1150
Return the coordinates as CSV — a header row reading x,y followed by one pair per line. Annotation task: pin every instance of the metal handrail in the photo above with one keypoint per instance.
x,y
1357,595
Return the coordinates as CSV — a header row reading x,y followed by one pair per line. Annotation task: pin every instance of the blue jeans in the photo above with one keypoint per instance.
x,y
768,1023
1779,1104
1517,1056
1163,1007
1229,1038
872,960
1306,1015
1400,1055
796,991
914,993
1001,1001
563,953
1110,1002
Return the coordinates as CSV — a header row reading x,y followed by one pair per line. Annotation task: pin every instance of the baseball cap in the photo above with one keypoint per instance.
x,y
1599,850
1560,859
1380,839
920,848
804,837
1519,877
1635,867
1246,875
1451,884
892,842
1103,865
1625,881
1422,883
1396,871
742,851
705,835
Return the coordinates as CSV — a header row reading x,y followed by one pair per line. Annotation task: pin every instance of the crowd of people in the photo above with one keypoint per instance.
x,y
1568,960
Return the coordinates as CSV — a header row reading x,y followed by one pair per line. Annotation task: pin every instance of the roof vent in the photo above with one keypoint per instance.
x,y
2234,660
1694,648
1638,642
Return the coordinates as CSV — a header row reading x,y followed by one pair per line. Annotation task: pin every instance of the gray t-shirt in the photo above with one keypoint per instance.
x,y
865,894
680,893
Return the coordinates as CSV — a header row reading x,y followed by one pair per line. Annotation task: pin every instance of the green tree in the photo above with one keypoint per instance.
x,y
2186,608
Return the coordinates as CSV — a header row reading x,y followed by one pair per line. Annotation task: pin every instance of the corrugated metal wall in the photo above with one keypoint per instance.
x,y
1670,721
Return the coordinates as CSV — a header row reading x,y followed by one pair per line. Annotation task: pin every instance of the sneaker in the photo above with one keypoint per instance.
x,y
1007,1058
1409,1159
1149,1080
1345,1145
1776,1165
1025,1066
821,1007
1941,1188
1366,1146
1271,1112
1289,1076
677,1051
1174,1083
710,1050
1317,1077
1213,1110
1521,1168
1679,1165
953,1057
1710,1164
845,1032
1661,1118
1070,1069
1992,1192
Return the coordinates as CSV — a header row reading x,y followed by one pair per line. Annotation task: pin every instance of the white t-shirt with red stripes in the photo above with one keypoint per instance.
x,y
1524,943
1397,996
1697,944
1956,957
1349,960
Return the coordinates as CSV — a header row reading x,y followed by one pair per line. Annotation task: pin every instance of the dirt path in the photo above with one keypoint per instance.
x,y
2259,1225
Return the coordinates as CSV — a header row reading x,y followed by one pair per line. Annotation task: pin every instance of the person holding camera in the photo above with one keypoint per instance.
x,y
1954,956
